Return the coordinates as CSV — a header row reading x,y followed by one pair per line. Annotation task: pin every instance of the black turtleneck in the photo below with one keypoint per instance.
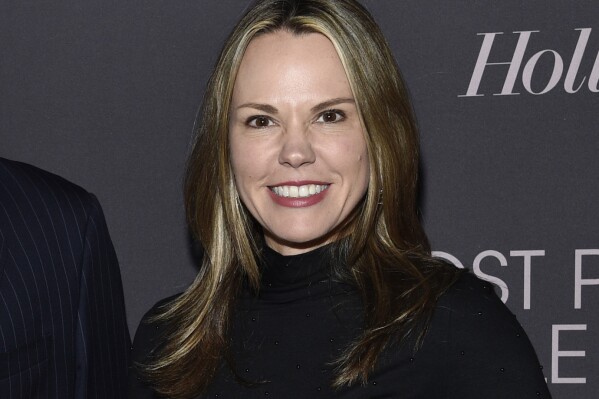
x,y
286,337
293,278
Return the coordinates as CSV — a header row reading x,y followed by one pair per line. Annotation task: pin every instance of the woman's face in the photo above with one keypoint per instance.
x,y
297,144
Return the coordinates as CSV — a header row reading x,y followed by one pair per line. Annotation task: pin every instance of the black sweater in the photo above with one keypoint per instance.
x,y
288,335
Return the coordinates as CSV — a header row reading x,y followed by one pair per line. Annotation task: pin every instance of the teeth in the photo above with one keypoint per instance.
x,y
299,191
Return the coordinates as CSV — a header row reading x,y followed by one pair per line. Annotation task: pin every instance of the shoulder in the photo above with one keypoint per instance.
x,y
29,178
475,314
27,190
158,308
486,348
151,331
470,296
149,337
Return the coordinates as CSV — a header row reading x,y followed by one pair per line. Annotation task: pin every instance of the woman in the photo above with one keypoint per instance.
x,y
317,279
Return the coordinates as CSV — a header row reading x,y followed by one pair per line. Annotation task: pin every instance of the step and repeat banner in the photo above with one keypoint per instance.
x,y
507,98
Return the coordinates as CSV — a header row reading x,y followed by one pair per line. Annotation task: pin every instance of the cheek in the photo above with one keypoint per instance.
x,y
239,163
356,156
240,157
235,154
364,171
247,170
362,165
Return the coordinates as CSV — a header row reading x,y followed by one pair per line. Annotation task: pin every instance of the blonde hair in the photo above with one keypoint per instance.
x,y
387,256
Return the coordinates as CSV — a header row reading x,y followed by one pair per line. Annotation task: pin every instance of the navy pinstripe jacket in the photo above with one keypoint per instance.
x,y
63,331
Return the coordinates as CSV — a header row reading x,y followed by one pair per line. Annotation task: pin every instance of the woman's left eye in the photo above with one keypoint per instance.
x,y
331,116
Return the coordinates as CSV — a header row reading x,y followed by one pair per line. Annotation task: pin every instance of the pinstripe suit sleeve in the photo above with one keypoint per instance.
x,y
102,341
63,331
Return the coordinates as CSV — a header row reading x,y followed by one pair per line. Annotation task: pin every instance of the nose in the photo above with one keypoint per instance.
x,y
296,148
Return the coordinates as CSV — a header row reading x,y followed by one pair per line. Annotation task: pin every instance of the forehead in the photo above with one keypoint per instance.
x,y
286,62
283,44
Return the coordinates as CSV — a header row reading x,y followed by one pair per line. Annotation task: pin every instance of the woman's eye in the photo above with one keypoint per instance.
x,y
259,121
331,116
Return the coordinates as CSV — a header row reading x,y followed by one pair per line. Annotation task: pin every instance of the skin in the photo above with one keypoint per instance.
x,y
294,120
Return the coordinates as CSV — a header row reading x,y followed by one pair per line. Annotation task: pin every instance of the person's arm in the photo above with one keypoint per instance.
x,y
102,338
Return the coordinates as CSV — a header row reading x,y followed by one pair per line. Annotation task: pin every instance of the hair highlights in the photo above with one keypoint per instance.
x,y
387,253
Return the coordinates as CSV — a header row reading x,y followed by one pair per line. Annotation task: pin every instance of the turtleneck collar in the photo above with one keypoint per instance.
x,y
304,269
297,278
289,278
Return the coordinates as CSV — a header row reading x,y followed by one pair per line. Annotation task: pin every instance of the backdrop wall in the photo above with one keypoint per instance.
x,y
506,93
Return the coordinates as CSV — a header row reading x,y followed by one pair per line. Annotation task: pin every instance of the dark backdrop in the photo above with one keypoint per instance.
x,y
105,94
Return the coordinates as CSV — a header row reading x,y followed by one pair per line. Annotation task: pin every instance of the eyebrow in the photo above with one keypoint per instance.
x,y
330,103
269,109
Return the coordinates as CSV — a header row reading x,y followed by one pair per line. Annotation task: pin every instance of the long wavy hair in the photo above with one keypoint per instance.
x,y
386,256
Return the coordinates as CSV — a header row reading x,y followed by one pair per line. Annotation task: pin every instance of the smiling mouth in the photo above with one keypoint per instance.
x,y
304,191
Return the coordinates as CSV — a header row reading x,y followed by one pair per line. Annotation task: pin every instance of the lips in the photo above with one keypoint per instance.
x,y
302,191
298,194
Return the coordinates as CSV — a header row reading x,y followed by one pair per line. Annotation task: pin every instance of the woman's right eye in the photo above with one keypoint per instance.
x,y
259,121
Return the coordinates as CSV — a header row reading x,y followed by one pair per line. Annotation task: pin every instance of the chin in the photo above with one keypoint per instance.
x,y
301,241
